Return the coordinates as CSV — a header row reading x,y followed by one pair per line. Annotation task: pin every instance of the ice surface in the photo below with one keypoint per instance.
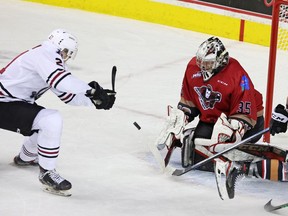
x,y
102,153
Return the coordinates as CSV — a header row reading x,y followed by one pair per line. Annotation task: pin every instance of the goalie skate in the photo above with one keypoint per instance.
x,y
220,176
227,174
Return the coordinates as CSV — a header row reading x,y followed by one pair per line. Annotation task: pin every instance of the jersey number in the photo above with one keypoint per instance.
x,y
244,107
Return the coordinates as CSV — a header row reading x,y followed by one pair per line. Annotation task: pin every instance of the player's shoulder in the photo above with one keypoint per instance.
x,y
235,68
234,62
50,50
192,61
192,65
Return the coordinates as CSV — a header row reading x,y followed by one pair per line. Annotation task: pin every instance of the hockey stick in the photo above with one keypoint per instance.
x,y
264,151
269,207
113,75
179,172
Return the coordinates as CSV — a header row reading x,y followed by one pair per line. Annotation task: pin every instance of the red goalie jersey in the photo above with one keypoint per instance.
x,y
231,91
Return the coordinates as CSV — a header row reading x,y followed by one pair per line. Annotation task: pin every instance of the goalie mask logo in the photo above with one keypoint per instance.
x,y
207,96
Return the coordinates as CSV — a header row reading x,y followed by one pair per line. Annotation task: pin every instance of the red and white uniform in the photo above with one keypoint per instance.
x,y
230,91
26,78
35,71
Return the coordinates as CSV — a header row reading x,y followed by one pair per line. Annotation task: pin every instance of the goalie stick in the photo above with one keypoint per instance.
x,y
179,172
269,207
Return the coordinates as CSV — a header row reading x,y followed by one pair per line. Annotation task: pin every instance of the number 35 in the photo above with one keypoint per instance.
x,y
244,107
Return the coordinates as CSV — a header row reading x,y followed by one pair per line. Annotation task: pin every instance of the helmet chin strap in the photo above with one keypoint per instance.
x,y
66,59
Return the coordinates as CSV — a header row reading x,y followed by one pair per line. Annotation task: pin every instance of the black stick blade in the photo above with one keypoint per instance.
x,y
269,207
113,76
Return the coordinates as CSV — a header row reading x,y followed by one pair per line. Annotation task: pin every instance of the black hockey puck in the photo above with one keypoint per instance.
x,y
137,125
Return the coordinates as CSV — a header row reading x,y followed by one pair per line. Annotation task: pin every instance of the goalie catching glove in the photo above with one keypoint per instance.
x,y
279,120
101,98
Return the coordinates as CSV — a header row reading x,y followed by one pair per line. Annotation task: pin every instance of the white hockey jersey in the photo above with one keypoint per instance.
x,y
37,70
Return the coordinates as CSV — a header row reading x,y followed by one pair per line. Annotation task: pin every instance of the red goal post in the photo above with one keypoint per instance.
x,y
278,40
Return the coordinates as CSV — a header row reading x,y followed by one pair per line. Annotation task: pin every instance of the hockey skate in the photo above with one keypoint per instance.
x,y
236,173
53,183
19,162
227,174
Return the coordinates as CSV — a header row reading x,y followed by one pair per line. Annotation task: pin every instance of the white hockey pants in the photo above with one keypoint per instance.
x,y
46,143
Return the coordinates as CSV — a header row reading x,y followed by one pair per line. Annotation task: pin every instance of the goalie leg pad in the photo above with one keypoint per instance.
x,y
173,126
187,153
220,168
227,174
188,148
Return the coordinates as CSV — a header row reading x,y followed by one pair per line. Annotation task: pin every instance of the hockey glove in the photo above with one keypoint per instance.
x,y
279,120
101,98
190,112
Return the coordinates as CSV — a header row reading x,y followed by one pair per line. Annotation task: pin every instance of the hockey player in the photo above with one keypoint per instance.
x,y
216,87
218,90
23,81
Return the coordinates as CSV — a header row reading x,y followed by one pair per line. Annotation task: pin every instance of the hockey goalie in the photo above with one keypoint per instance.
x,y
217,90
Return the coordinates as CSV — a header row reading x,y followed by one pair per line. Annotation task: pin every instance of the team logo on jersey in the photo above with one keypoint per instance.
x,y
207,96
244,83
196,75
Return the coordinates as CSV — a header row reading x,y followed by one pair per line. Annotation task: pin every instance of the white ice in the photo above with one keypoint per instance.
x,y
102,153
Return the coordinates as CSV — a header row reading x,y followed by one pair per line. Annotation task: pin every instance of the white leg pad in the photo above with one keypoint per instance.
x,y
49,123
28,151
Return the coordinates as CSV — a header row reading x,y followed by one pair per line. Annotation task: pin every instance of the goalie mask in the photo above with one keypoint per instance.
x,y
66,42
211,57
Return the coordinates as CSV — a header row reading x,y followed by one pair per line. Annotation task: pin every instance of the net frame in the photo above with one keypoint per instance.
x,y
279,22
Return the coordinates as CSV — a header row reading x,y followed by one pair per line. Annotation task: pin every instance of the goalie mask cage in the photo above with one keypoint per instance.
x,y
278,42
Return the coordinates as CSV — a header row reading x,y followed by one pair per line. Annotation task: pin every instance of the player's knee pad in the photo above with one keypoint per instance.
x,y
49,122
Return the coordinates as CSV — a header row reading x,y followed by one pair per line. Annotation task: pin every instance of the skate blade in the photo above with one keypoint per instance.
x,y
23,166
65,193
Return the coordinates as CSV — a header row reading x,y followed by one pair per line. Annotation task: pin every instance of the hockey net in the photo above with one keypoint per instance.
x,y
278,45
283,28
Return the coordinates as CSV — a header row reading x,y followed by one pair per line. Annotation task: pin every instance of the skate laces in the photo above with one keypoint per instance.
x,y
55,176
